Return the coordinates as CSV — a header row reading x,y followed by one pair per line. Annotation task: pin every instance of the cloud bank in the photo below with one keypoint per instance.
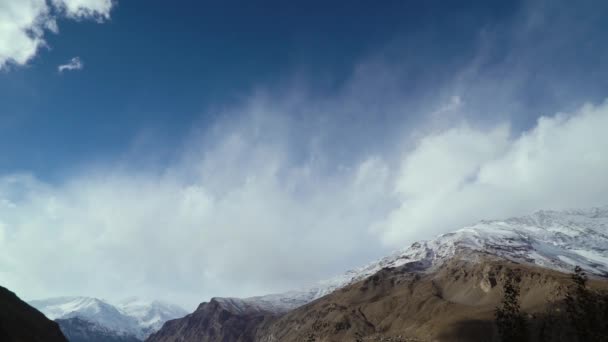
x,y
24,24
235,214
462,174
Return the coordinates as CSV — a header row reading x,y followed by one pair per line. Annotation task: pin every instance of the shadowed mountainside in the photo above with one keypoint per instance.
x,y
218,320
20,322
80,330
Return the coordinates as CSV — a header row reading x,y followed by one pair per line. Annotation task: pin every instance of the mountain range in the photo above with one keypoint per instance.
x,y
458,272
444,289
129,320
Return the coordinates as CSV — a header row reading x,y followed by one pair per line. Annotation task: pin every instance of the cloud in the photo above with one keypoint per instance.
x,y
25,23
85,9
73,64
236,214
289,187
457,176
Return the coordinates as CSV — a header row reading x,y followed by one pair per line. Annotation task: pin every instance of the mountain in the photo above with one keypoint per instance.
x,y
544,245
132,318
20,322
80,330
218,320
150,315
454,302
557,240
90,309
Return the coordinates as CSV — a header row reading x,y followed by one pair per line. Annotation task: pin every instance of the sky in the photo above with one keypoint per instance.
x,y
196,149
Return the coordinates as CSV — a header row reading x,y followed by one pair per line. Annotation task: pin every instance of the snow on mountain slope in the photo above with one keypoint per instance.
x,y
552,239
90,309
150,315
131,317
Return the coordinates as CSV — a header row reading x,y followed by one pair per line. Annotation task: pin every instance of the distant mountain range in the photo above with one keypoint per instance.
x,y
129,320
462,267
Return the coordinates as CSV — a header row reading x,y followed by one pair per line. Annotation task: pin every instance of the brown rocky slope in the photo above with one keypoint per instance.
x,y
215,321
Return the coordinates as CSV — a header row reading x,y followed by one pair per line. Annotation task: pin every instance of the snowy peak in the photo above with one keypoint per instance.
x,y
134,317
150,315
543,238
557,240
61,306
272,303
91,309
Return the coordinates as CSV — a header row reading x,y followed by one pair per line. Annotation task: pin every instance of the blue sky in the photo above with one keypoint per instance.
x,y
206,149
162,69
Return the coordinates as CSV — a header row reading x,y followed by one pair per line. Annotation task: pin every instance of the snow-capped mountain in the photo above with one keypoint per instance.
x,y
557,240
150,315
132,317
90,309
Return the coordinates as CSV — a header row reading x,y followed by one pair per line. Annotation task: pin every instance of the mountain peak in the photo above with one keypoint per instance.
x,y
132,316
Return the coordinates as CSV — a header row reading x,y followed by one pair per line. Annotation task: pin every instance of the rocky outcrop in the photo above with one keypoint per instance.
x,y
20,322
219,320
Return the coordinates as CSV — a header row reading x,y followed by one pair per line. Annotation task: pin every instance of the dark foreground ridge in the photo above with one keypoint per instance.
x,y
19,322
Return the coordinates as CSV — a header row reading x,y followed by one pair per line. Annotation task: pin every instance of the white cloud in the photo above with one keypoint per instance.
x,y
23,24
84,9
235,218
285,191
73,64
236,215
460,175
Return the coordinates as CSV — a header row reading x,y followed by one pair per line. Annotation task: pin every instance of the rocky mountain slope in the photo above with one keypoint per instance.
x,y
132,318
423,278
20,322
217,320
455,302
